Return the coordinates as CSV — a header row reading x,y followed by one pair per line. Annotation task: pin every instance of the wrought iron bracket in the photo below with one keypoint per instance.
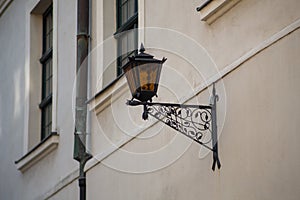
x,y
197,122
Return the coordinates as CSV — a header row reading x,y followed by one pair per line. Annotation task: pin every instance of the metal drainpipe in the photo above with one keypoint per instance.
x,y
89,82
80,153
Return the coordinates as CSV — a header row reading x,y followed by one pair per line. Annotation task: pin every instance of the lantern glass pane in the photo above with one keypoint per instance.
x,y
149,76
158,66
130,80
130,73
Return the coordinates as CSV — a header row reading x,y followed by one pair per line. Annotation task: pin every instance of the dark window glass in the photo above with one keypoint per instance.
x,y
47,72
127,36
126,10
47,30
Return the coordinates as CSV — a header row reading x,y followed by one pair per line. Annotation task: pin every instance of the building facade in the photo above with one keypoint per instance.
x,y
247,48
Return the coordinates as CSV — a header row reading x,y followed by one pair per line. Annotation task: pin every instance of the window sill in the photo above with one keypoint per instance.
x,y
211,10
46,146
108,94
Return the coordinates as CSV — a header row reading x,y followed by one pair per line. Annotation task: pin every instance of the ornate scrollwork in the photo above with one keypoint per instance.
x,y
192,121
198,122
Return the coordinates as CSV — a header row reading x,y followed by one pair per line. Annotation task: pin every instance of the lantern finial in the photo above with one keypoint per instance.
x,y
142,48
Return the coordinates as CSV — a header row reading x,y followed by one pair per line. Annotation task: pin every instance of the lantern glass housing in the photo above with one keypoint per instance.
x,y
142,73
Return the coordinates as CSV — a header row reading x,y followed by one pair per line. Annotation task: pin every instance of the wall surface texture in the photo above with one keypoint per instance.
x,y
44,175
251,52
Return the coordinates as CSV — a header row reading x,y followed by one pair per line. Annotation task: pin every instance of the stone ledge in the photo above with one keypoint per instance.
x,y
212,10
38,152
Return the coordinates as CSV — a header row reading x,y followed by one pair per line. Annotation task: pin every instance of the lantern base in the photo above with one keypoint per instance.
x,y
144,96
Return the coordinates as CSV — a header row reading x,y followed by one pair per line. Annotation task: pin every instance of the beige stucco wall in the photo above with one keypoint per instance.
x,y
239,30
42,177
254,46
257,111
258,144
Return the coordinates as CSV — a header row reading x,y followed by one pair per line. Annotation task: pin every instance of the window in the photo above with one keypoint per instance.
x,y
127,35
46,61
40,136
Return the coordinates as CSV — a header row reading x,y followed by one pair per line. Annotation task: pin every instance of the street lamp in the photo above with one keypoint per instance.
x,y
143,73
194,121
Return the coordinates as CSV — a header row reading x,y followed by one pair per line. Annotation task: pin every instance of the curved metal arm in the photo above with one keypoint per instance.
x,y
197,122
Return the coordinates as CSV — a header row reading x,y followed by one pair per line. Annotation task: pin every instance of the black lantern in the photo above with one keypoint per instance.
x,y
143,72
193,121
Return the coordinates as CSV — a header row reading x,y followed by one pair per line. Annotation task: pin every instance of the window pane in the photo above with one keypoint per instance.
x,y
50,76
47,78
124,44
46,120
51,39
46,117
127,10
47,34
44,81
127,42
131,40
50,113
50,22
131,8
46,105
124,13
50,84
48,27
